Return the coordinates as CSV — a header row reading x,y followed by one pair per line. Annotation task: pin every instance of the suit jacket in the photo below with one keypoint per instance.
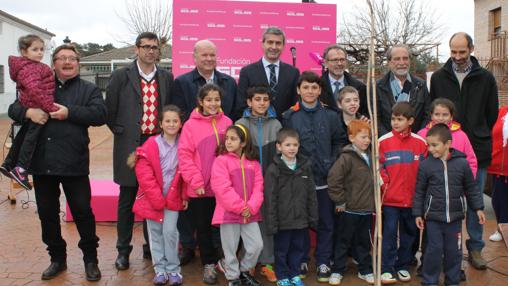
x,y
186,87
125,110
327,92
255,75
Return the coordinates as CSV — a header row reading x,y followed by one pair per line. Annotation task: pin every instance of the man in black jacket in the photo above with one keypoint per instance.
x,y
336,77
270,71
186,86
399,85
473,90
62,158
134,97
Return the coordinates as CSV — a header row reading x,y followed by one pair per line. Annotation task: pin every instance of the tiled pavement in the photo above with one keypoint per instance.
x,y
23,256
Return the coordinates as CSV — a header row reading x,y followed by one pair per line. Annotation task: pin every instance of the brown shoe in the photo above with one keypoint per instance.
x,y
476,259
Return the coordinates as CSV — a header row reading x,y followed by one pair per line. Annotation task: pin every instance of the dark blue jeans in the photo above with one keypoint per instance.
x,y
474,228
352,232
444,241
399,220
289,252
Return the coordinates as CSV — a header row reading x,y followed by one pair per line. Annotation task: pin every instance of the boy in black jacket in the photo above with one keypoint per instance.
x,y
291,204
443,180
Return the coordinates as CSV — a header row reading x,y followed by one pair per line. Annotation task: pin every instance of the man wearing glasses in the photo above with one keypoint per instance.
x,y
61,157
134,97
336,77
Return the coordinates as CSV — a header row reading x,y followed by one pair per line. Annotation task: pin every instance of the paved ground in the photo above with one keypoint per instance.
x,y
23,256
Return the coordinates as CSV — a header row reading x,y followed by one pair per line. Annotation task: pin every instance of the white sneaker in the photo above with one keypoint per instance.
x,y
369,278
335,279
387,278
496,236
404,275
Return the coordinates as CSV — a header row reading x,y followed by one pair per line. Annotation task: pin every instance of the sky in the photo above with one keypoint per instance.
x,y
98,21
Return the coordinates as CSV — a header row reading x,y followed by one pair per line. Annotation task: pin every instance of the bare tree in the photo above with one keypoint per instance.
x,y
149,16
409,22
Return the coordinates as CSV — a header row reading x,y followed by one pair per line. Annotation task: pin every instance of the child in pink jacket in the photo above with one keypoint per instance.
x,y
237,182
35,83
201,135
442,110
159,195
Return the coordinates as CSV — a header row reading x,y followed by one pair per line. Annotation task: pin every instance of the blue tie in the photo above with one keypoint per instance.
x,y
337,85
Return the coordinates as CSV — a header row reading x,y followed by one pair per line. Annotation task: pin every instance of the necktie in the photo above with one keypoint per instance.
x,y
337,85
273,78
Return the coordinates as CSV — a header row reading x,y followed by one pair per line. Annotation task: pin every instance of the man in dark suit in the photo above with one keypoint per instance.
x,y
270,71
335,78
186,86
134,97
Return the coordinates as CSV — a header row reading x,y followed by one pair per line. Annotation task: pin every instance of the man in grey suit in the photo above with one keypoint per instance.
x,y
134,97
271,72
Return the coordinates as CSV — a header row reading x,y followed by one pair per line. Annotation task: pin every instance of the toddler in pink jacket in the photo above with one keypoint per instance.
x,y
237,182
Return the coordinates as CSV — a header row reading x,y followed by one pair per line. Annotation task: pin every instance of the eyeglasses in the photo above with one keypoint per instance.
x,y
148,48
339,60
65,59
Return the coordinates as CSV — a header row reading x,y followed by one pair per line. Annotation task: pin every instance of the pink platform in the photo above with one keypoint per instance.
x,y
104,201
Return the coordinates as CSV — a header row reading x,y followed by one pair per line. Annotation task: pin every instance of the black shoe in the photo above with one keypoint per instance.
x,y
234,282
92,272
21,177
122,262
248,280
53,270
462,275
146,252
5,170
186,256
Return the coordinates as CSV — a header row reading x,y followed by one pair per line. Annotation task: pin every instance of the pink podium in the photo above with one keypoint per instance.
x,y
104,201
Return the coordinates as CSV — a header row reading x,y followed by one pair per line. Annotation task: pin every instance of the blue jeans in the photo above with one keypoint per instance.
x,y
289,250
474,228
401,221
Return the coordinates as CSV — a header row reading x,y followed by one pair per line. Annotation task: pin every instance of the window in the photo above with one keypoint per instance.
x,y
495,22
2,80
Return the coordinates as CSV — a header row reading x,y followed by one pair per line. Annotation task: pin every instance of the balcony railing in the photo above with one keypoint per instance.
x,y
498,45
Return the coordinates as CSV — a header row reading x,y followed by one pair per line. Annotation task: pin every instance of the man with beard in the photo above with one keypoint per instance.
x,y
473,90
336,77
399,85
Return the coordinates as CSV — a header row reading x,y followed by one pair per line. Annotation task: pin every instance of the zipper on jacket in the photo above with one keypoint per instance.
x,y
463,205
260,140
428,207
447,191
244,186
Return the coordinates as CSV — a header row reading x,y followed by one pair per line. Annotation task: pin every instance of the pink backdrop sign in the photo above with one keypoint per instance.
x,y
237,27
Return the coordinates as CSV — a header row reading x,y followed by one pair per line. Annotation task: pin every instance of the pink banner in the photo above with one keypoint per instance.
x,y
237,27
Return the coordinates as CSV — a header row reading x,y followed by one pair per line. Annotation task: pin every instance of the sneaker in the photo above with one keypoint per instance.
x,y
209,274
5,171
248,280
284,282
496,236
323,273
160,279
21,176
175,278
476,259
387,278
335,279
235,282
267,271
296,281
304,269
403,275
369,278
221,266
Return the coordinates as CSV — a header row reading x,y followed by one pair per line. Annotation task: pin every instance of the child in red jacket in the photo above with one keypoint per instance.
x,y
35,83
160,195
400,153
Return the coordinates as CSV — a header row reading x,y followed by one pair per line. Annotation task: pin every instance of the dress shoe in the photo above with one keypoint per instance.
x,y
92,271
53,270
186,256
122,262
